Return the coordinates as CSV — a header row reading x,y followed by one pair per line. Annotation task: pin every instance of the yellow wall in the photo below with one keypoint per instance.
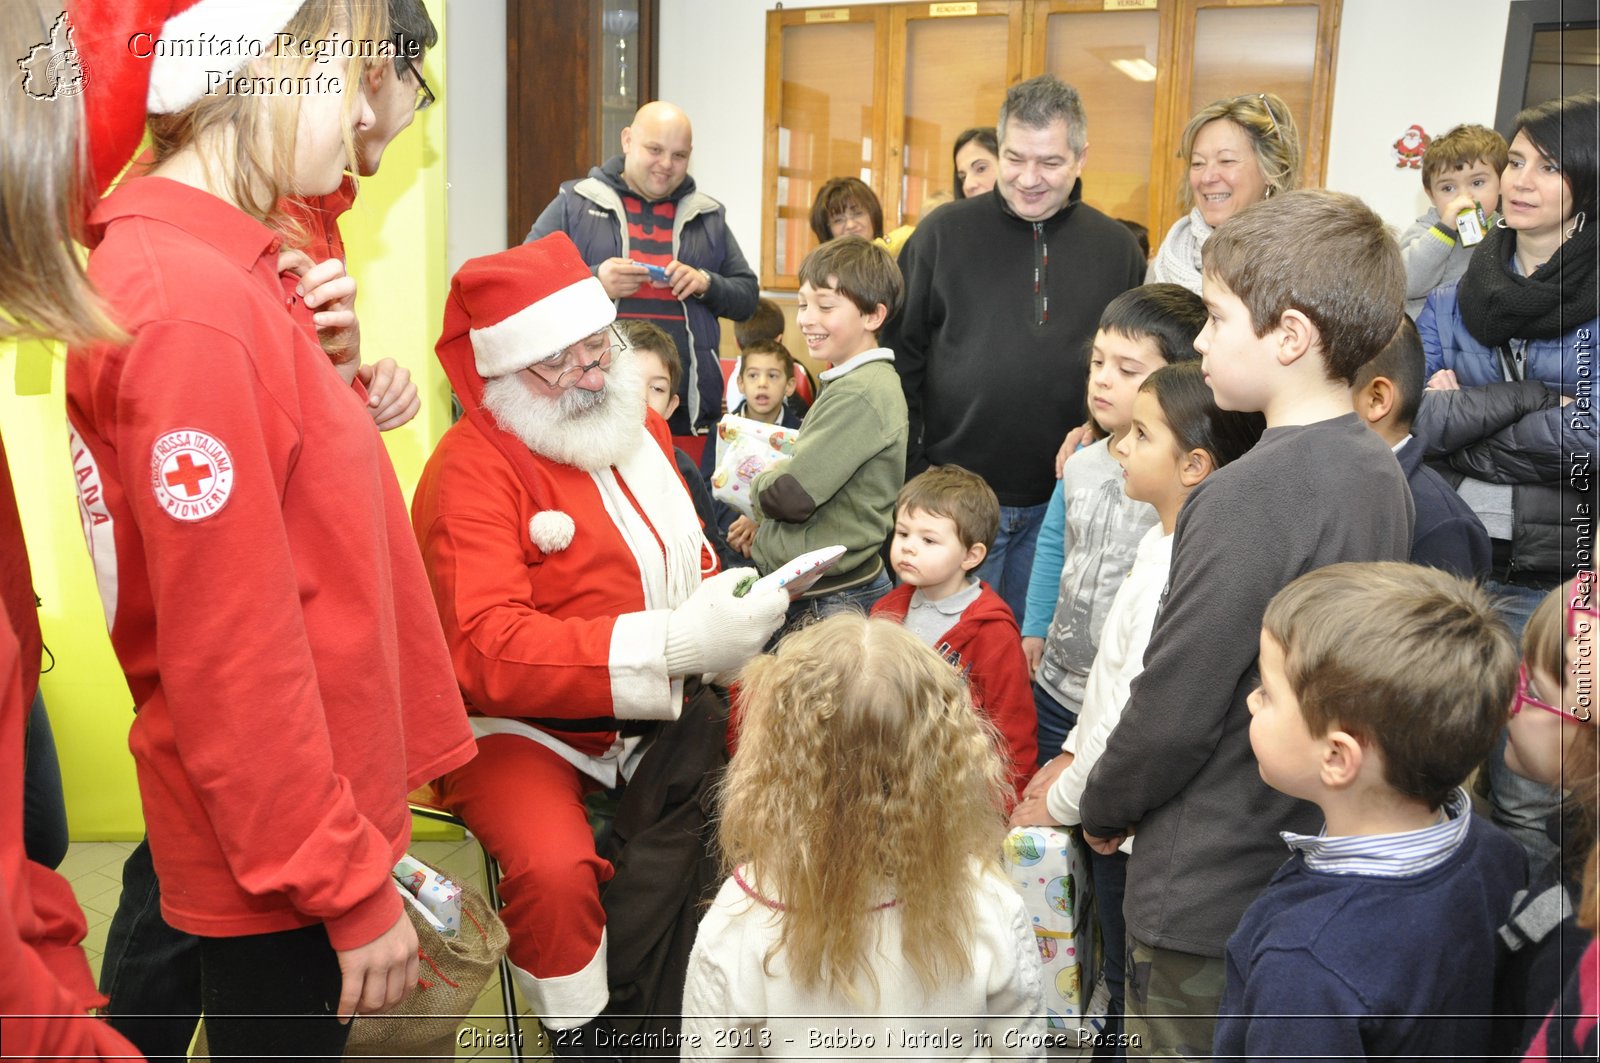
x,y
395,238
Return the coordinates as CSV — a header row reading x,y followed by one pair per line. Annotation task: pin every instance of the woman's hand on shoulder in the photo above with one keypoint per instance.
x,y
391,393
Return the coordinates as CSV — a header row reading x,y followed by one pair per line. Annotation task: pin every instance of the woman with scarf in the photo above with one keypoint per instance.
x,y
1240,151
1526,310
1524,314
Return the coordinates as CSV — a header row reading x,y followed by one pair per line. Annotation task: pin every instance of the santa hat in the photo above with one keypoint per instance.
x,y
210,34
124,77
527,303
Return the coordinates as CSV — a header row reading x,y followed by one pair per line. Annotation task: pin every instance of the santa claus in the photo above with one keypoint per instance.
x,y
567,562
1409,148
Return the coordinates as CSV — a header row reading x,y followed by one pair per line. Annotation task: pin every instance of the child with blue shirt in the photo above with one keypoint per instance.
x,y
1092,529
1382,686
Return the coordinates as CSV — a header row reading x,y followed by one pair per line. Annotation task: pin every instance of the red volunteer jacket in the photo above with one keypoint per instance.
x,y
262,589
46,988
987,646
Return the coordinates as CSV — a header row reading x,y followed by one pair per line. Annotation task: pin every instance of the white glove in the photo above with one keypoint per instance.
x,y
715,632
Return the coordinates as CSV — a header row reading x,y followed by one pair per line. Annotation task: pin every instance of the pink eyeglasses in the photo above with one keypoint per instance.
x,y
1525,696
1581,620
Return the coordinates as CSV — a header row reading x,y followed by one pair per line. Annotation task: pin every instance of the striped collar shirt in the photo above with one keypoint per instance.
x,y
1388,855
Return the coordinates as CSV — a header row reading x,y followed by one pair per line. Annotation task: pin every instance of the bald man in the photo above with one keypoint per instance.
x,y
642,210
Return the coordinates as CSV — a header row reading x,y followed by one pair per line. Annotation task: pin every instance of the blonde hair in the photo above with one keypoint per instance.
x,y
260,173
43,191
863,773
1544,647
1266,120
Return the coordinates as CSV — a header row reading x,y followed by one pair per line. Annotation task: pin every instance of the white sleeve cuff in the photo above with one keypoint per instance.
x,y
641,688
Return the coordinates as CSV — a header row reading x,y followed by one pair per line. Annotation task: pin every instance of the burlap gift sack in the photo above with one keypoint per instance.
x,y
453,973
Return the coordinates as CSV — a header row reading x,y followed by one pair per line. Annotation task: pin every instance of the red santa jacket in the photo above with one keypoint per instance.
x,y
987,646
46,988
551,580
263,592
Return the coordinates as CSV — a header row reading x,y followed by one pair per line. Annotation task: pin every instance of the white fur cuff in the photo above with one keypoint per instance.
x,y
551,530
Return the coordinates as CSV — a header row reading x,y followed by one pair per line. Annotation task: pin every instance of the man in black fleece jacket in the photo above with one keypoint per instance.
x,y
1003,293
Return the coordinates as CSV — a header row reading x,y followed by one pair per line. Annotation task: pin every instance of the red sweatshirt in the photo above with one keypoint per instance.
x,y
261,585
987,646
43,972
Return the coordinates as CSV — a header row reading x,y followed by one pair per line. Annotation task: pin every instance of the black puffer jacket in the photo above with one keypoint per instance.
x,y
1499,433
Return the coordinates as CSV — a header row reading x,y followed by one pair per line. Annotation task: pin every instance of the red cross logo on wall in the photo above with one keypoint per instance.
x,y
189,475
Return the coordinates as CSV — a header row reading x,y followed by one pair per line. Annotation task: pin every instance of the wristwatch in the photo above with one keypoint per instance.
x,y
707,275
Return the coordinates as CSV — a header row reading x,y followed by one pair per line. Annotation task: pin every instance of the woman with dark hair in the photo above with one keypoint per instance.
x,y
1525,311
977,159
846,206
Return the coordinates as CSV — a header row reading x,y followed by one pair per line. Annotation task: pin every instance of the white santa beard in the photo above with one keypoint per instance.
x,y
589,430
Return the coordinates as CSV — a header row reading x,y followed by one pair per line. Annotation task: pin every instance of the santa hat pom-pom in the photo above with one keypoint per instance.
x,y
551,530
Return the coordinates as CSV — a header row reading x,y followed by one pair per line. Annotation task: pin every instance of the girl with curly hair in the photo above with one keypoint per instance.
x,y
864,876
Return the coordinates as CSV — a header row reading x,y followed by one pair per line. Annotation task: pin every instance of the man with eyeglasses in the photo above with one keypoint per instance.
x,y
151,972
641,210
567,560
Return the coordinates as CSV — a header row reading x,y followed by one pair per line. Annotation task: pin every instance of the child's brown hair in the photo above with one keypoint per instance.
x,y
1325,254
958,494
648,336
860,270
765,324
1411,660
1460,148
772,349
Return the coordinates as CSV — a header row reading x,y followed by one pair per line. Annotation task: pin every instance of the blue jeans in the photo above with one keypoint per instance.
x,y
1110,874
1055,720
1009,565
856,599
44,806
1521,807
151,972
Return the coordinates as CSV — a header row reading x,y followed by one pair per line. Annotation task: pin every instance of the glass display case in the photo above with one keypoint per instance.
x,y
576,71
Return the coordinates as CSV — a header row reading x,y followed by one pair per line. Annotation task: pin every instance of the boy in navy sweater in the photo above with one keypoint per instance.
x,y
1382,685
1388,394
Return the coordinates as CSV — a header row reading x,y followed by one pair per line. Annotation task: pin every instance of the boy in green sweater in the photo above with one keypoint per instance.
x,y
839,486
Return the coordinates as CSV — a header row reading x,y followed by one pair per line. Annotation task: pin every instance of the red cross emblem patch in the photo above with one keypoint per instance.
x,y
191,474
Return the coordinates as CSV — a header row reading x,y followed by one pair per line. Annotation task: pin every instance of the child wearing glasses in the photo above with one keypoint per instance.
x,y
1382,686
1553,741
839,486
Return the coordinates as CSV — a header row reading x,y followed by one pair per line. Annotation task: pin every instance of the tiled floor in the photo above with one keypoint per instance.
x,y
95,871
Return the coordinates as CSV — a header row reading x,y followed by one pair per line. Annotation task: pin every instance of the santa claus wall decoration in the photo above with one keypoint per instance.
x,y
1409,148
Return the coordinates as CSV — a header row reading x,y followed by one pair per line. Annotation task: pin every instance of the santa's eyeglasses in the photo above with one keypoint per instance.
x,y
594,351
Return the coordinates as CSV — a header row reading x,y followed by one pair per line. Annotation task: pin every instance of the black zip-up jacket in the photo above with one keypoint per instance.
x,y
992,344
1498,433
